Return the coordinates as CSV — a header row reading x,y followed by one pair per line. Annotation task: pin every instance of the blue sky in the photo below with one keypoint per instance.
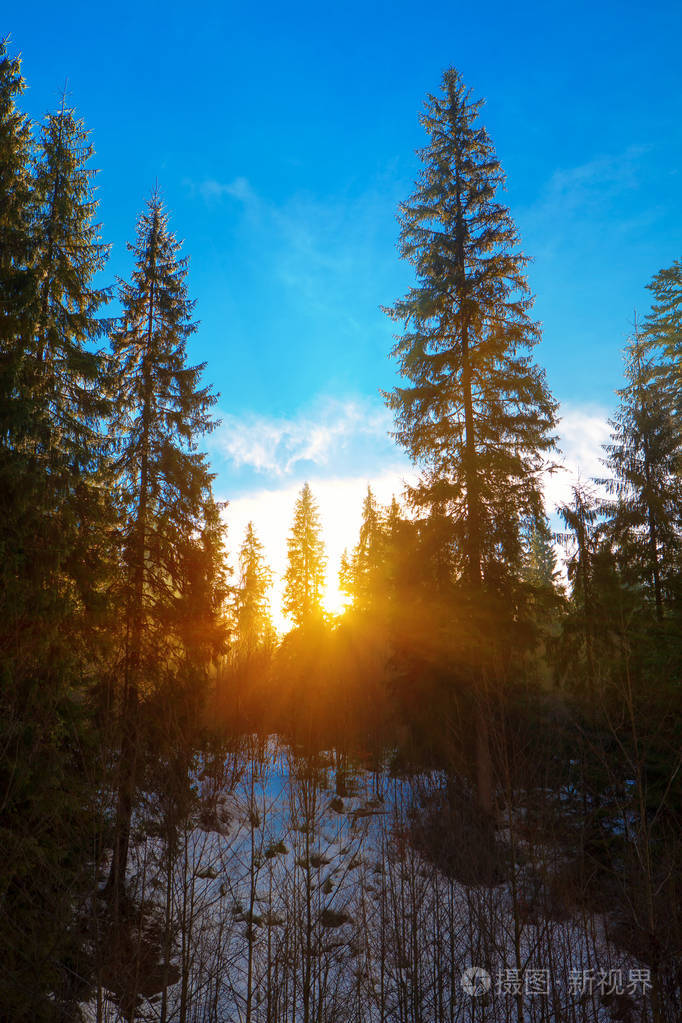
x,y
283,138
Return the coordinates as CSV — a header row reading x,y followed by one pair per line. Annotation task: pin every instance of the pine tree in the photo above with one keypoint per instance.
x,y
346,575
475,411
200,612
69,254
646,493
539,563
53,516
541,598
165,482
253,619
368,561
399,544
16,229
580,518
52,372
362,574
305,574
663,334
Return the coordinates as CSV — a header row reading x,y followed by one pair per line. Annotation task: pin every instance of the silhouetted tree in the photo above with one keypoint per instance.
x,y
663,333
165,484
646,493
305,574
363,574
252,602
475,411
53,519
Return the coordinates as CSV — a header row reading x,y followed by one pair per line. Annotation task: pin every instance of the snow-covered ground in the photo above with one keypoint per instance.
x,y
294,893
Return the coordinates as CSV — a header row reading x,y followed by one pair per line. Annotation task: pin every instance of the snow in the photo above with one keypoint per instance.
x,y
293,903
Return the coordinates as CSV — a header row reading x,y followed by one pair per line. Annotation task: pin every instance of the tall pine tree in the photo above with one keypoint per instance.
x,y
646,494
305,574
663,333
53,512
16,229
475,410
362,575
165,484
252,612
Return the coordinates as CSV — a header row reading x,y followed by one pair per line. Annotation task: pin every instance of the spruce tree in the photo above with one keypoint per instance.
x,y
53,520
369,553
475,411
165,484
539,561
253,619
200,610
346,574
646,493
68,255
305,574
663,334
580,517
362,574
16,229
55,397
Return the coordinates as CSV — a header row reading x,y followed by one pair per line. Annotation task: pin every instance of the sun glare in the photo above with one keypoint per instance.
x,y
334,600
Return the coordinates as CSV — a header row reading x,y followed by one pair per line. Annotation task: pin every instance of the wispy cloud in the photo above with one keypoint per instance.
x,y
583,197
212,190
281,446
323,252
589,183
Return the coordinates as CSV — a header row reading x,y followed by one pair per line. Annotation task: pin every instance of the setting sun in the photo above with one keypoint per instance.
x,y
334,600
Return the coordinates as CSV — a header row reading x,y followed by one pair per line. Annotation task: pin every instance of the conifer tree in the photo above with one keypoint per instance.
x,y
369,553
53,511
52,373
68,256
539,563
253,619
16,234
646,493
542,596
580,518
165,484
475,411
203,589
663,334
346,575
398,549
305,574
361,575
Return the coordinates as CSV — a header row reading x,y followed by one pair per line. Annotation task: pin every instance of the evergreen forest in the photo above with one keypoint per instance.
x,y
459,799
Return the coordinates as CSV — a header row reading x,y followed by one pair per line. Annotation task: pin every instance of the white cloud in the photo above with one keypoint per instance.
x,y
279,445
582,432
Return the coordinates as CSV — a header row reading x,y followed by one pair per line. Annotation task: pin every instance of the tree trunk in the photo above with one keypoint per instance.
x,y
484,766
130,714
